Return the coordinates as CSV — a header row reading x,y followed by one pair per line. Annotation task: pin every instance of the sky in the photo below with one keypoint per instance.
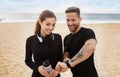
x,y
59,6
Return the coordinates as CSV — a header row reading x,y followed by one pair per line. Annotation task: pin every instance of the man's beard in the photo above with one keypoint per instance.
x,y
76,27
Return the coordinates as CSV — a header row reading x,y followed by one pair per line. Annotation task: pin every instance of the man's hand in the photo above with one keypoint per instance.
x,y
61,67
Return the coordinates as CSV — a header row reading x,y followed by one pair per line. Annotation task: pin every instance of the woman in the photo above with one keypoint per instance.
x,y
44,47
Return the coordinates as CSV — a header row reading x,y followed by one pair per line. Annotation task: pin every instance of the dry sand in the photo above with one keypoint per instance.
x,y
12,48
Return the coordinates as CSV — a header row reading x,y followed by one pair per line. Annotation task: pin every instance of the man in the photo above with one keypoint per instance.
x,y
79,47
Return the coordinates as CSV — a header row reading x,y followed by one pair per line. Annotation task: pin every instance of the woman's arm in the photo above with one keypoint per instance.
x,y
28,56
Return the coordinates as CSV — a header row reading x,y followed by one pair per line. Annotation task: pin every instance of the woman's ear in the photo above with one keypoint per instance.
x,y
39,21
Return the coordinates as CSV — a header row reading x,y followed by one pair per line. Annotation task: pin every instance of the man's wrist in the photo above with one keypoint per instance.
x,y
68,64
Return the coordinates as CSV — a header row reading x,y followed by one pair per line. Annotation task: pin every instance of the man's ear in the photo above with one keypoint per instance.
x,y
80,18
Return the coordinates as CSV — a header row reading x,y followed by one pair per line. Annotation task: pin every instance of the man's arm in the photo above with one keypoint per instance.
x,y
84,52
66,56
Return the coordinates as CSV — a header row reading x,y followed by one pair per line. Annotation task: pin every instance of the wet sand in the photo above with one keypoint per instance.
x,y
12,48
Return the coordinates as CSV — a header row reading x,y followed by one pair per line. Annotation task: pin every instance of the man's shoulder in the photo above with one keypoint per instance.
x,y
86,29
68,35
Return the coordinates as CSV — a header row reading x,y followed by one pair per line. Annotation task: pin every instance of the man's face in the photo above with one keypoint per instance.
x,y
73,21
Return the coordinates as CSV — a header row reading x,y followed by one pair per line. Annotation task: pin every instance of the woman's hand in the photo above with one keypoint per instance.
x,y
42,71
53,73
61,67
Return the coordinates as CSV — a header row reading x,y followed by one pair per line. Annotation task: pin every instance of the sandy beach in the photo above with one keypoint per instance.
x,y
12,48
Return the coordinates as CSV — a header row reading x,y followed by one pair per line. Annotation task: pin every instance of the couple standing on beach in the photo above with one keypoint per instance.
x,y
44,49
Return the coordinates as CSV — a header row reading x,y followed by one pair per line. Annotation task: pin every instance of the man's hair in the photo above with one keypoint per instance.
x,y
73,9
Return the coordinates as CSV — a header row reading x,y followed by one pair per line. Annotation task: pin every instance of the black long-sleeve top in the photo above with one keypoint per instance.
x,y
37,52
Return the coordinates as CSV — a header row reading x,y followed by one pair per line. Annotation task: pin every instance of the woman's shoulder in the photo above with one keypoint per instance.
x,y
31,37
56,34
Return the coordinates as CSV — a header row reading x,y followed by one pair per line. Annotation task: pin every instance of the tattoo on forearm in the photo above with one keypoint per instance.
x,y
79,55
84,52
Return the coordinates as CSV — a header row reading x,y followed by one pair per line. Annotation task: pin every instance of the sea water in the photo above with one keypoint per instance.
x,y
86,17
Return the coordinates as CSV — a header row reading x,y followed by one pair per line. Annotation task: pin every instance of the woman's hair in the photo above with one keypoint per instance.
x,y
45,14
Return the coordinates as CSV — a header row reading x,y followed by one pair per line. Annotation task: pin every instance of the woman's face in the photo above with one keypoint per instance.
x,y
47,26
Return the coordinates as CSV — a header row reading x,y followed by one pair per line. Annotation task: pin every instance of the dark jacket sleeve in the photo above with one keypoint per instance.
x,y
60,50
57,54
28,56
